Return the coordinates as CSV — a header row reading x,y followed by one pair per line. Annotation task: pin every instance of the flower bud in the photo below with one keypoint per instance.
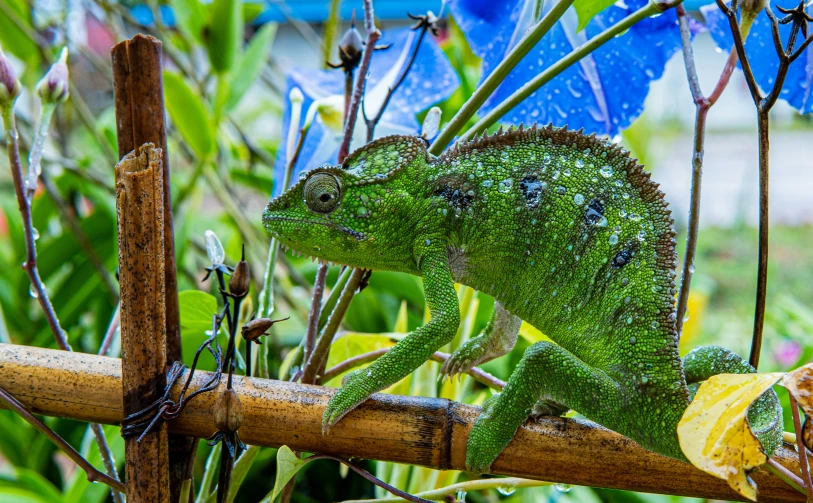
x,y
296,96
751,8
431,124
9,84
228,411
241,278
351,48
254,329
214,249
53,88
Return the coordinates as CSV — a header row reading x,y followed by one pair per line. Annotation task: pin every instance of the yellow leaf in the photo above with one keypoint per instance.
x,y
714,434
531,334
401,320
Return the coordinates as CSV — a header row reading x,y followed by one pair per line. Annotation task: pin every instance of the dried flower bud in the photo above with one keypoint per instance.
x,y
228,411
9,84
53,88
254,329
807,433
351,48
241,278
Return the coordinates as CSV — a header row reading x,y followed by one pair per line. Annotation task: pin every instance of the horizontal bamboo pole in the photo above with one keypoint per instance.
x,y
423,431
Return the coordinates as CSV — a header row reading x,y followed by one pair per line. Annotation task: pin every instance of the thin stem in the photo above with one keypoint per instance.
x,y
372,478
552,71
371,123
467,486
30,265
361,77
107,458
800,444
316,306
785,475
93,474
489,85
319,356
356,361
728,70
110,333
763,123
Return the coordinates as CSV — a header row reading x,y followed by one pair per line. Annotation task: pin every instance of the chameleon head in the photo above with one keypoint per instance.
x,y
342,214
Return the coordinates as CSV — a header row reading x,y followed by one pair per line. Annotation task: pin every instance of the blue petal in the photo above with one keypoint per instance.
x,y
762,55
431,79
603,93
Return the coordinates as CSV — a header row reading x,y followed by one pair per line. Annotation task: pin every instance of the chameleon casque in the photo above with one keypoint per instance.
x,y
565,231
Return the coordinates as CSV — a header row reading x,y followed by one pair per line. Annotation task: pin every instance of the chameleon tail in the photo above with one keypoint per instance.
x,y
764,416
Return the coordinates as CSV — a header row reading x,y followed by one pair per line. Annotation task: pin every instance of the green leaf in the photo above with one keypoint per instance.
x,y
252,62
587,10
225,33
196,310
189,114
191,17
12,37
287,466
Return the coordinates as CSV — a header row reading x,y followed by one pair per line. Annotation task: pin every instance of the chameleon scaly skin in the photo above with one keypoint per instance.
x,y
564,230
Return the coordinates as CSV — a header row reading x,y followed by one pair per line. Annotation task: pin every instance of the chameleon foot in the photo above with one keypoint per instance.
x,y
489,436
355,389
467,356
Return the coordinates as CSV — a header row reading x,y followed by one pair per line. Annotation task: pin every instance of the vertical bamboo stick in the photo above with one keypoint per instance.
x,y
139,208
139,99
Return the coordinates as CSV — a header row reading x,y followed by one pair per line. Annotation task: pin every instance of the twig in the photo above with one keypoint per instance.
x,y
316,305
800,444
107,458
30,264
424,24
763,106
650,9
93,474
478,374
467,486
373,34
702,105
786,475
319,355
112,328
489,85
372,478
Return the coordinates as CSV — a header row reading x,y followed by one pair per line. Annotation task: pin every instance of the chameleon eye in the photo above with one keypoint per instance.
x,y
322,192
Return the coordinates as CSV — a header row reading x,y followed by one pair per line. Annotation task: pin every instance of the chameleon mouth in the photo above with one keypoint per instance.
x,y
331,225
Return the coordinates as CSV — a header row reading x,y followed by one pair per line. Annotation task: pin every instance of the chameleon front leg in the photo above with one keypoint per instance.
x,y
498,338
412,351
546,370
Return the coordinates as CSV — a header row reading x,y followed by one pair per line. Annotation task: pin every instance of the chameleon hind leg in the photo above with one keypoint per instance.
x,y
764,416
549,371
498,338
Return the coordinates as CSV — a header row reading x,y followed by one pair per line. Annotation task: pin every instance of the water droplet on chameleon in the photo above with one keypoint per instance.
x,y
613,239
578,199
561,189
505,185
487,183
606,171
579,163
629,320
563,488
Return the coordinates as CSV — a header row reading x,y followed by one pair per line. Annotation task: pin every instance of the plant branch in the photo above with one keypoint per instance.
x,y
800,445
373,34
93,474
495,78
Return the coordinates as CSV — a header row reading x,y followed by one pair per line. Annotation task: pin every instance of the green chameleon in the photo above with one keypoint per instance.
x,y
566,232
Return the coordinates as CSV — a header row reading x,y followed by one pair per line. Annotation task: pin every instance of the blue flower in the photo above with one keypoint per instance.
x,y
603,93
762,55
430,80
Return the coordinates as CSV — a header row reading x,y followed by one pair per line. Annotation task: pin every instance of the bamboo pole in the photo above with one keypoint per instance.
x,y
139,100
423,431
139,211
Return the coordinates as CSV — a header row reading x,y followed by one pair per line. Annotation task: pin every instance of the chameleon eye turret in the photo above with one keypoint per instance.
x,y
322,193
